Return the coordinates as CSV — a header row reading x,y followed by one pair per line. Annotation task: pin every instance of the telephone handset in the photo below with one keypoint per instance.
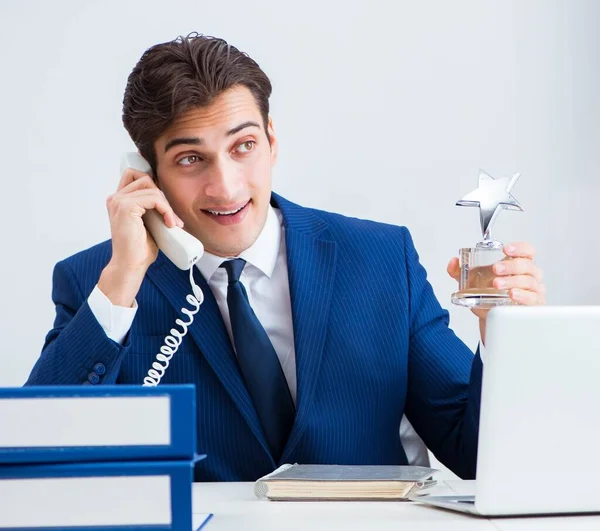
x,y
184,251
178,246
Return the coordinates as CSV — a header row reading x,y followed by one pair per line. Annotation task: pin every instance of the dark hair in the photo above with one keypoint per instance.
x,y
173,77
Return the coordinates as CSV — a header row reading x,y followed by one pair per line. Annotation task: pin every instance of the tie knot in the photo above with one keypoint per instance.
x,y
234,268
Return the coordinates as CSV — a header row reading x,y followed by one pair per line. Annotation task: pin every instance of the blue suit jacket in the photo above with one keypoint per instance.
x,y
371,341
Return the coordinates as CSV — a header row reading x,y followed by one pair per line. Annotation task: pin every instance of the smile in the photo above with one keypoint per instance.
x,y
228,217
226,213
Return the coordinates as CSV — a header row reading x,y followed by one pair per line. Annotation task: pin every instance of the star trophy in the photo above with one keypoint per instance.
x,y
475,286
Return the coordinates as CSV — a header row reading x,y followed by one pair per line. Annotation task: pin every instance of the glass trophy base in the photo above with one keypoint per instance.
x,y
481,298
476,284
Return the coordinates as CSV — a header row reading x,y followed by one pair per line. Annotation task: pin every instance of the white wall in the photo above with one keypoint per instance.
x,y
384,110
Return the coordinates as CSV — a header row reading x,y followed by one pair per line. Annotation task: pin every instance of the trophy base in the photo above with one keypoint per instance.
x,y
476,283
481,298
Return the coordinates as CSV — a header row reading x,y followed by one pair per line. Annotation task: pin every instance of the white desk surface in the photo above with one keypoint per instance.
x,y
235,507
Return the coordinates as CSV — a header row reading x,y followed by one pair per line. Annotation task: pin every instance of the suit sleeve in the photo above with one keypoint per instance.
x,y
444,378
76,350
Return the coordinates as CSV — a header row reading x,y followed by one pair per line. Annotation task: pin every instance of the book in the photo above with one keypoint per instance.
x,y
137,495
343,482
47,424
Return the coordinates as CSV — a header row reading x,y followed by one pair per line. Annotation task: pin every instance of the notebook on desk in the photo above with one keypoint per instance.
x,y
539,408
343,482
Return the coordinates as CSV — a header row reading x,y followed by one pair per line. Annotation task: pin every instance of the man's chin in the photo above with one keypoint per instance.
x,y
227,247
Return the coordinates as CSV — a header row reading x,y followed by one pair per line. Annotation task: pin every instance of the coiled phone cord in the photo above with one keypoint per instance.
x,y
172,341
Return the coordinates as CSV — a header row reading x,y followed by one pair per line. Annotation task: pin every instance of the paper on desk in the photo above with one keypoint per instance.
x,y
452,487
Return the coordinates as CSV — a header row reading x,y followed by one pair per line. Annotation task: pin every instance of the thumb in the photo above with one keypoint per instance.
x,y
454,269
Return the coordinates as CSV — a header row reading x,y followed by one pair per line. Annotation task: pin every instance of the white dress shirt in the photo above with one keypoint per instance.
x,y
265,278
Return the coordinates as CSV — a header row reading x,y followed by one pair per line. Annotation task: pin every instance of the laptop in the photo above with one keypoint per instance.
x,y
539,430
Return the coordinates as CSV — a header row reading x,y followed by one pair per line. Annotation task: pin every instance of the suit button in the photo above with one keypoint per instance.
x,y
93,378
99,369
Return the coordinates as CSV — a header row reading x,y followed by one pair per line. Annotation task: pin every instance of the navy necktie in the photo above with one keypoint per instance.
x,y
259,363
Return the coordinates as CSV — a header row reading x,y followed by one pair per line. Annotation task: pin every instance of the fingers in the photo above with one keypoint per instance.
x,y
155,199
137,202
527,298
525,282
139,183
520,276
130,175
518,266
136,181
520,250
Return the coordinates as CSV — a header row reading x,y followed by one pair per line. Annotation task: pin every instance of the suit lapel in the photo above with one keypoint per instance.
x,y
209,333
311,261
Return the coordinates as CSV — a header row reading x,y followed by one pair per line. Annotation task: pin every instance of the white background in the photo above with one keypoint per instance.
x,y
384,110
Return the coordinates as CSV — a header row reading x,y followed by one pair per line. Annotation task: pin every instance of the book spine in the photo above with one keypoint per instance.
x,y
107,423
98,496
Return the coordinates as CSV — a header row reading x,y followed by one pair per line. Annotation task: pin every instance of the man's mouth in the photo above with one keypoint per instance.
x,y
225,212
228,216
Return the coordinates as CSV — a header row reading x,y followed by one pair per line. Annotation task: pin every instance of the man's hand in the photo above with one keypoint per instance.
x,y
133,249
520,276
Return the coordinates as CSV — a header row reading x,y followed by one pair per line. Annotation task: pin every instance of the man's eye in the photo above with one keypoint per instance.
x,y
189,160
245,147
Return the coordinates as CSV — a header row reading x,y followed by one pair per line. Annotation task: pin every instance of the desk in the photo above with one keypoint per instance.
x,y
235,508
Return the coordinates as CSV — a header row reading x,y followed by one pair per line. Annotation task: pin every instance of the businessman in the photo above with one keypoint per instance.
x,y
318,332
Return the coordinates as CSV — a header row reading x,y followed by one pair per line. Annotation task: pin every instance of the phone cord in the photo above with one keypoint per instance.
x,y
172,341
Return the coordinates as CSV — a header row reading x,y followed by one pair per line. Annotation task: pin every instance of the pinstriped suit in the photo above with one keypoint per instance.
x,y
371,343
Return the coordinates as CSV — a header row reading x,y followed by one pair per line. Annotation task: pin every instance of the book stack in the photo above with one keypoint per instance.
x,y
111,457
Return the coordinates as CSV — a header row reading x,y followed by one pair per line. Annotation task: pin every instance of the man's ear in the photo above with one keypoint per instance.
x,y
273,142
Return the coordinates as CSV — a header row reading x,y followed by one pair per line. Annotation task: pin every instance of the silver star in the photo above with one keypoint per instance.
x,y
492,196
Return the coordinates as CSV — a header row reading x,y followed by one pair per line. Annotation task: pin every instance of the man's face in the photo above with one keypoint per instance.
x,y
214,166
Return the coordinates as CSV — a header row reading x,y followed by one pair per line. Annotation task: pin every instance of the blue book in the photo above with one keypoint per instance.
x,y
48,424
139,495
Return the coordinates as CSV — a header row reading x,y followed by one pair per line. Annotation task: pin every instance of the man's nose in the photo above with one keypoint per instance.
x,y
224,182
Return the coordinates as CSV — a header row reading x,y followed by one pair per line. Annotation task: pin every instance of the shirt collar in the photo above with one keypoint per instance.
x,y
262,254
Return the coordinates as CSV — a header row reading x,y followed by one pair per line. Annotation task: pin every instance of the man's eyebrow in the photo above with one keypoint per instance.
x,y
238,128
193,140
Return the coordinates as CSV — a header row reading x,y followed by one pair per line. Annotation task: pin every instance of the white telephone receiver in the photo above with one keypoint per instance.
x,y
184,251
178,245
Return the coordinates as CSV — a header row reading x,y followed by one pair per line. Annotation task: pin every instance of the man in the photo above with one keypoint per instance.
x,y
317,332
